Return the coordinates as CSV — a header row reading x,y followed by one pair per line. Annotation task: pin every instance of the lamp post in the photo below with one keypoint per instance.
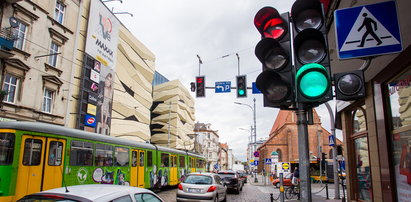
x,y
249,153
254,129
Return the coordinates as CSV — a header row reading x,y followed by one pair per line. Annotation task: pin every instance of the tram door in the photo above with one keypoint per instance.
x,y
140,168
30,172
173,170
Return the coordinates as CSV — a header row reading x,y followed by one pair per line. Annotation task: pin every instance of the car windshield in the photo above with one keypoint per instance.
x,y
229,175
198,179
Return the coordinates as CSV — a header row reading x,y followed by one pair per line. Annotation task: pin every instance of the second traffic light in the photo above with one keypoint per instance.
x,y
312,66
241,86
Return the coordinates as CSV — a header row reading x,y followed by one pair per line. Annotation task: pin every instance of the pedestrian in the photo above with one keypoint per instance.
x,y
296,176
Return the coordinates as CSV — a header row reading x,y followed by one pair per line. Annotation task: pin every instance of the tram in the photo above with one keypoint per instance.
x,y
37,156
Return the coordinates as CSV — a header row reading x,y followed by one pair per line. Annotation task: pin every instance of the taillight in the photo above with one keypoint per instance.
x,y
180,187
211,189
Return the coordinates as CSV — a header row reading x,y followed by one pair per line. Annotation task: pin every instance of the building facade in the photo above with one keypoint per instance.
x,y
36,69
208,140
376,128
173,117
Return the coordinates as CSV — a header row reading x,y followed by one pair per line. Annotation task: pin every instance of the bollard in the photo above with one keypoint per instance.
x,y
281,188
326,190
271,197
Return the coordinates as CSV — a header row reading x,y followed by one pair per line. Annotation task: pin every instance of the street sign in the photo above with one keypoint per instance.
x,y
256,154
267,161
223,87
255,89
216,166
331,140
286,166
367,30
256,162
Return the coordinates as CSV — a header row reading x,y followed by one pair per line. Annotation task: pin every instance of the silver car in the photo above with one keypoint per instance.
x,y
202,187
94,193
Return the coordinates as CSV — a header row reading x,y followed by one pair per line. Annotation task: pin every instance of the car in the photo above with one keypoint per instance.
x,y
232,180
202,187
94,193
286,180
243,175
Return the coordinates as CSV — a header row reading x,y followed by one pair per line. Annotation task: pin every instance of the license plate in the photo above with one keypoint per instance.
x,y
193,190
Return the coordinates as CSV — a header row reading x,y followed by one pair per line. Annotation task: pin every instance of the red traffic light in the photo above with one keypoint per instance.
x,y
200,79
270,24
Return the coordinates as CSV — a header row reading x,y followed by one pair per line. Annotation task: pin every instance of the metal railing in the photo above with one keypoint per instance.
x,y
8,33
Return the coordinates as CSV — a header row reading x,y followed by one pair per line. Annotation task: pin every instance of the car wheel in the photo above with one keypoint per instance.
x,y
225,197
277,185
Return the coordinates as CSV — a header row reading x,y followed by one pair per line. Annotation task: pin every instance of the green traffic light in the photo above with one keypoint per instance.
x,y
312,80
241,92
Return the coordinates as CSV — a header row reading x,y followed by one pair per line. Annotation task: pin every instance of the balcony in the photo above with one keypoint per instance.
x,y
6,42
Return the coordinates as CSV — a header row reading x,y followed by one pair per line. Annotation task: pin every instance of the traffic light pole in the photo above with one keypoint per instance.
x,y
303,153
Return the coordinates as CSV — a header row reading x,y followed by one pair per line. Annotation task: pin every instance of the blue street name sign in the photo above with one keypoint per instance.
x,y
223,86
267,161
367,30
255,89
331,140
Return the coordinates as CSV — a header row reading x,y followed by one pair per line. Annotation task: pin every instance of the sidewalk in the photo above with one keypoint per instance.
x,y
318,191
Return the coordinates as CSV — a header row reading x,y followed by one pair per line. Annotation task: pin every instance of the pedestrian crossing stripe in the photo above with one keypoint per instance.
x,y
367,30
354,37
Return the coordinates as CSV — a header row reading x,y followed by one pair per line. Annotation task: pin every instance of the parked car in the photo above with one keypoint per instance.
x,y
232,180
94,193
286,180
243,175
202,187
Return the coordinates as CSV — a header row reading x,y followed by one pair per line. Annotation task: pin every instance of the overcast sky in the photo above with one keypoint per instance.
x,y
176,31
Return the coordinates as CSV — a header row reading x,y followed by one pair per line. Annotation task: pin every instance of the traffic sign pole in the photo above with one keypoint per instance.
x,y
303,155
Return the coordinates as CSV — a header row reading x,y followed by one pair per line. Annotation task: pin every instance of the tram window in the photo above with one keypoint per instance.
x,y
149,158
182,161
6,148
81,153
55,153
121,156
103,155
189,163
32,152
165,160
141,158
133,158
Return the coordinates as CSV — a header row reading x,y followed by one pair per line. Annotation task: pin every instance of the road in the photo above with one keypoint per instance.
x,y
259,192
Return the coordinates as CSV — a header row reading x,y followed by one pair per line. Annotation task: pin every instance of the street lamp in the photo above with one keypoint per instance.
x,y
254,129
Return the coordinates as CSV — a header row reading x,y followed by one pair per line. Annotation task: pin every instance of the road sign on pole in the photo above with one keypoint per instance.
x,y
331,140
268,161
223,87
367,30
256,154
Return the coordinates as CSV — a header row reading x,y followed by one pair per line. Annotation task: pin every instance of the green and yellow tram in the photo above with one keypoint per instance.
x,y
37,156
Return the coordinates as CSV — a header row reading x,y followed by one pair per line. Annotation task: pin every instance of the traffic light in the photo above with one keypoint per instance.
x,y
200,83
274,52
349,85
312,66
241,86
323,162
193,86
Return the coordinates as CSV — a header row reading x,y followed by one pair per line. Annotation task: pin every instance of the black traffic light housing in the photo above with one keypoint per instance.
x,y
349,85
274,52
193,87
241,86
323,161
200,83
312,66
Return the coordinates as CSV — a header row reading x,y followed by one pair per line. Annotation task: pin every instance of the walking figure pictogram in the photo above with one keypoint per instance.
x,y
368,22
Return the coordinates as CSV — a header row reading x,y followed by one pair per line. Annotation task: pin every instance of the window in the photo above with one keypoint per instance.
x,y
54,50
103,155
81,153
20,33
32,152
55,153
134,158
126,198
6,148
47,100
208,144
141,159
173,161
210,154
146,197
59,12
10,85
189,162
121,156
182,161
149,158
164,160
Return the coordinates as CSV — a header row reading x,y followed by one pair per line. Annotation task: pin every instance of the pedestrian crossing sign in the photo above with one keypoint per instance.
x,y
367,30
268,161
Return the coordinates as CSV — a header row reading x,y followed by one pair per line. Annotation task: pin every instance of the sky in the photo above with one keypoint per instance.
x,y
177,31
